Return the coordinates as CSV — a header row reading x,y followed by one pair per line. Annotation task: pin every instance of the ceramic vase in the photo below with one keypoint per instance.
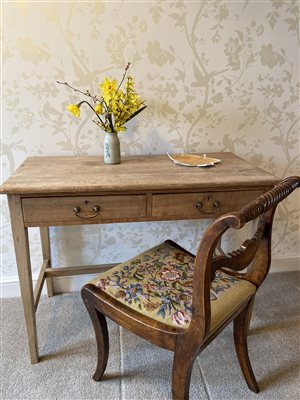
x,y
112,154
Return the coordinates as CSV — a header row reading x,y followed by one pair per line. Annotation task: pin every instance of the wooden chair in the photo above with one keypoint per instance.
x,y
181,302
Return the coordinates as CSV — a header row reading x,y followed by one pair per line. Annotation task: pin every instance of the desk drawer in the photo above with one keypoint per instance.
x,y
83,209
200,205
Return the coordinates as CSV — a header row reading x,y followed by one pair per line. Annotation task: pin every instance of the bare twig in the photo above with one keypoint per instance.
x,y
123,77
87,93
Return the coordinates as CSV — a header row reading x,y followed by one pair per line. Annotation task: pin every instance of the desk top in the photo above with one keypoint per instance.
x,y
71,175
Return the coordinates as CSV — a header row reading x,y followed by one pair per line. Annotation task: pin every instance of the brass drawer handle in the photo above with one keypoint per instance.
x,y
199,205
76,210
216,205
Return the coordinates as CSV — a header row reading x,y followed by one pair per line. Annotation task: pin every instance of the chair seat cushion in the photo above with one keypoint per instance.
x,y
159,283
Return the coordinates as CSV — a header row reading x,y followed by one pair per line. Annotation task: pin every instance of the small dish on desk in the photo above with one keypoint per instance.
x,y
193,160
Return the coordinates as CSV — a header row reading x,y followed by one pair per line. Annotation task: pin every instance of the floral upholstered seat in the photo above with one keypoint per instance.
x,y
159,283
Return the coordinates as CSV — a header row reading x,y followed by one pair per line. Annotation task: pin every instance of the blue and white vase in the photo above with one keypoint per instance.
x,y
112,154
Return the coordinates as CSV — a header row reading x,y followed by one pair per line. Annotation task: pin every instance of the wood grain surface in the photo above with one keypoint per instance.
x,y
48,175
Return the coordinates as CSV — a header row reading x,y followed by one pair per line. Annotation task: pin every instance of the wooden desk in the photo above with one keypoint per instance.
x,y
47,191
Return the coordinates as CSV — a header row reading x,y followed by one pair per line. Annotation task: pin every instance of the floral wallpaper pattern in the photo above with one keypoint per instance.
x,y
216,75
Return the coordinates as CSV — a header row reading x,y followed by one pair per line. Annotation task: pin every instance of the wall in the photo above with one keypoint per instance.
x,y
217,76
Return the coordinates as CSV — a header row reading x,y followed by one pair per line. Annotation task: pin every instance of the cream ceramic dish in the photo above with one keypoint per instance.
x,y
193,160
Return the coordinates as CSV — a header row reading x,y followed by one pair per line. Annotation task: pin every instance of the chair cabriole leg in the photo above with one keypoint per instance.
x,y
240,329
181,374
101,333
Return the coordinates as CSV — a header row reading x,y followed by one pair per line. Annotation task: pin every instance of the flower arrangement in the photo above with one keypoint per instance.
x,y
115,107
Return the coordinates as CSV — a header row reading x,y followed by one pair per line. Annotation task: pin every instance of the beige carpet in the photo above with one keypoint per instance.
x,y
138,370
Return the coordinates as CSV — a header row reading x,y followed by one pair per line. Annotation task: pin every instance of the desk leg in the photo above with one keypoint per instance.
x,y
45,241
20,236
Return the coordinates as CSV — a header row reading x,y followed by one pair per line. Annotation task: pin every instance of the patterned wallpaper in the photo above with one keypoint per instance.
x,y
216,75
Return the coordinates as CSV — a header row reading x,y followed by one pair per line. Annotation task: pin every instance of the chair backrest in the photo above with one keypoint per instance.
x,y
254,252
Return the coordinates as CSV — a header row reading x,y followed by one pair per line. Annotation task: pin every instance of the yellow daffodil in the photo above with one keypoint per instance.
x,y
108,89
74,109
99,109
